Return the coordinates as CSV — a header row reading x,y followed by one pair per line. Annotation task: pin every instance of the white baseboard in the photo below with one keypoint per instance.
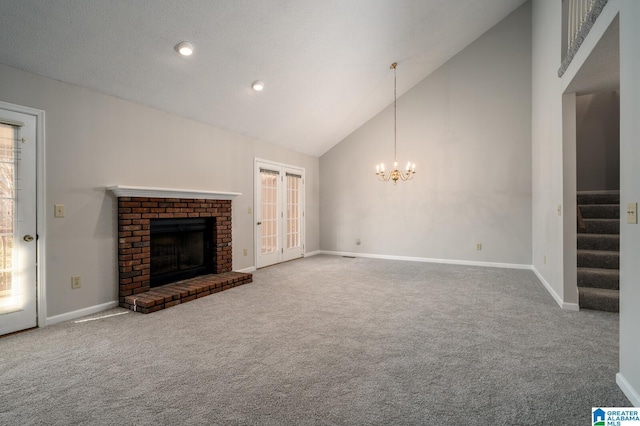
x,y
81,313
556,297
312,253
565,306
628,390
247,270
427,260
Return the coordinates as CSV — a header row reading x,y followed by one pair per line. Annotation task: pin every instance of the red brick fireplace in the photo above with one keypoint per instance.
x,y
137,207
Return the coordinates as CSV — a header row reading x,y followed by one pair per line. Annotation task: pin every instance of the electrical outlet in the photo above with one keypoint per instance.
x,y
75,282
559,209
244,252
58,210
479,246
358,242
249,210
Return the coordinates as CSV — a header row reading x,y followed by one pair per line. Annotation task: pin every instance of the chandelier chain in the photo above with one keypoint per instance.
x,y
395,113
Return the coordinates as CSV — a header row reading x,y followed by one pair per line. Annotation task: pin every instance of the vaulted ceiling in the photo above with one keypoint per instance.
x,y
325,63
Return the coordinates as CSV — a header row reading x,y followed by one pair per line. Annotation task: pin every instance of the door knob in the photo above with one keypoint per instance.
x,y
28,238
259,223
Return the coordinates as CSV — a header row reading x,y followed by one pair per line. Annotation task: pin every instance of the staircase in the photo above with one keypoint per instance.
x,y
599,250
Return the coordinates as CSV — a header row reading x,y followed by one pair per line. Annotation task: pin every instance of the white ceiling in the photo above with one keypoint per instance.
x,y
325,63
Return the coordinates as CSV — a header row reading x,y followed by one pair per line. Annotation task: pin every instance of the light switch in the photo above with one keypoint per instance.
x,y
632,213
559,209
58,210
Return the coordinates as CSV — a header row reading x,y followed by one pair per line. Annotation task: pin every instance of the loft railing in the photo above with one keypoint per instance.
x,y
578,11
581,15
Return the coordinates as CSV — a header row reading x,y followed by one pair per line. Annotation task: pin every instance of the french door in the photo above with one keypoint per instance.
x,y
18,247
279,212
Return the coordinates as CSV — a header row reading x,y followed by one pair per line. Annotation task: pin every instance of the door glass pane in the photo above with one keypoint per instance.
x,y
293,211
9,298
269,205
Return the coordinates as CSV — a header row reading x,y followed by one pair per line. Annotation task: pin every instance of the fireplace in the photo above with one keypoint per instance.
x,y
173,246
180,249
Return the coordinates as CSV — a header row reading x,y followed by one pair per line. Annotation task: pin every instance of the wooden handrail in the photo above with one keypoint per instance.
x,y
581,225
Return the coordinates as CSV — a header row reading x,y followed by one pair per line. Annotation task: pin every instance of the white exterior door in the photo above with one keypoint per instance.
x,y
279,208
293,185
18,239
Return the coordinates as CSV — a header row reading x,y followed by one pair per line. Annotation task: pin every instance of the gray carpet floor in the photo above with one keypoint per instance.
x,y
325,340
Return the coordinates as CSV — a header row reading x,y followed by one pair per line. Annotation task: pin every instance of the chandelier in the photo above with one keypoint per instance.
x,y
395,174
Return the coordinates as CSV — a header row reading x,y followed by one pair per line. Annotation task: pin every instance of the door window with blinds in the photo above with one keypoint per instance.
x,y
8,135
269,235
294,219
18,236
279,213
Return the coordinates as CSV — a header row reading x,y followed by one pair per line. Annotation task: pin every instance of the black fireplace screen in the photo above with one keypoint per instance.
x,y
180,249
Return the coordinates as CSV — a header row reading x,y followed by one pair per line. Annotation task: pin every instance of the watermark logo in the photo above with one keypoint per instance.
x,y
615,416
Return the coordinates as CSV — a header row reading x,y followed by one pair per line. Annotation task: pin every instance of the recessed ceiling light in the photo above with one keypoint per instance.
x,y
184,48
257,85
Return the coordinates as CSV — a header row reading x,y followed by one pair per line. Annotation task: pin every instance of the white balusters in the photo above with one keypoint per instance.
x,y
578,11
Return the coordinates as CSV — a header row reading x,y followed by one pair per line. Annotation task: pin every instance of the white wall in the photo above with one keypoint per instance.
x,y
546,140
630,192
548,173
467,128
94,140
598,141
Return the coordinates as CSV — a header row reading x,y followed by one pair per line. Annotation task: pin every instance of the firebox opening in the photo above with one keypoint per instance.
x,y
181,249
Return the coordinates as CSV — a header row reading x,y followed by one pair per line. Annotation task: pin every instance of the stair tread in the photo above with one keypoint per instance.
x,y
598,278
598,197
600,291
599,271
601,299
606,259
600,252
609,242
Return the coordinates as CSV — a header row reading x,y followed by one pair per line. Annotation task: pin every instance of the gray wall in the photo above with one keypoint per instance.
x,y
93,141
598,141
467,128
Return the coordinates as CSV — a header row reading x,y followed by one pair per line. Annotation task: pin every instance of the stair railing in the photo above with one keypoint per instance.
x,y
581,15
578,11
582,227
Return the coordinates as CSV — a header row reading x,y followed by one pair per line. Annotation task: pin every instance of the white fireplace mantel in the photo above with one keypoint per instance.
x,y
141,191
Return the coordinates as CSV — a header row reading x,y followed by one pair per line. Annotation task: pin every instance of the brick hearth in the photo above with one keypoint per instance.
x,y
134,251
184,291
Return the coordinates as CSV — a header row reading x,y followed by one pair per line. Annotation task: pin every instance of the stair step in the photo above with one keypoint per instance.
x,y
609,242
599,259
600,211
599,299
604,197
599,278
602,226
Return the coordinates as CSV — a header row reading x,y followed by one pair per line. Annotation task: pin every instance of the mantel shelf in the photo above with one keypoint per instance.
x,y
141,191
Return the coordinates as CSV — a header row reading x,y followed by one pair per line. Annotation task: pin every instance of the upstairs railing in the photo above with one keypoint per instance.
x,y
578,11
581,15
